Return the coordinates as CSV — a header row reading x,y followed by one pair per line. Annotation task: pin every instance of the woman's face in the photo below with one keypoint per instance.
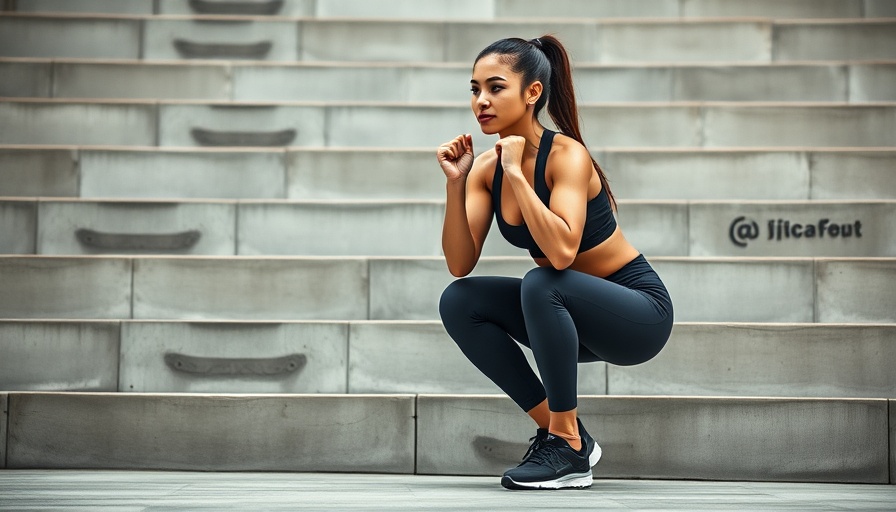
x,y
497,98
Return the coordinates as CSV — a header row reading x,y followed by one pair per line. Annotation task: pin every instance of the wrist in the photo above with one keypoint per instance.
x,y
457,184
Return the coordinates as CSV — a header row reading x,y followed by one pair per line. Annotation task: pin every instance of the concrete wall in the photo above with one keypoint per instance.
x,y
659,437
226,433
750,39
426,125
256,357
343,173
767,360
795,439
892,441
439,82
4,416
486,9
419,357
59,356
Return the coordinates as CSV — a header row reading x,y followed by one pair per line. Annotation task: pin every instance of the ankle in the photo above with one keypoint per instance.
x,y
575,442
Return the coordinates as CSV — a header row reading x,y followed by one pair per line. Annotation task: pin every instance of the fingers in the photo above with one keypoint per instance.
x,y
456,147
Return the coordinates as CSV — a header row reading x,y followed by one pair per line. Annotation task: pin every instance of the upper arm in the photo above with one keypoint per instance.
x,y
570,170
479,203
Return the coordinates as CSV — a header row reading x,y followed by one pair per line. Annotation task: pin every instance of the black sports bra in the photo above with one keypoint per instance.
x,y
599,221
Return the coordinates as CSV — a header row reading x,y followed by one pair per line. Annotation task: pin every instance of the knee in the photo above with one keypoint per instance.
x,y
454,299
540,282
541,287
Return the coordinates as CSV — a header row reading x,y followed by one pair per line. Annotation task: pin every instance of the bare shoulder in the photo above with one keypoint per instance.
x,y
570,157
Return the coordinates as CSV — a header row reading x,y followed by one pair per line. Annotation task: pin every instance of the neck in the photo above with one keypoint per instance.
x,y
529,129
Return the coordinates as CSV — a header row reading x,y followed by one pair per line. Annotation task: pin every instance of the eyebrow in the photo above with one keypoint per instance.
x,y
492,79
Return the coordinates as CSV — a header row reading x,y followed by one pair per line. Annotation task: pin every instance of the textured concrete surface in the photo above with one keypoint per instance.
x,y
893,441
206,432
144,490
33,122
38,172
85,37
251,289
18,227
144,80
856,291
820,440
234,357
59,356
344,173
64,287
420,357
137,227
361,228
4,405
196,173
767,360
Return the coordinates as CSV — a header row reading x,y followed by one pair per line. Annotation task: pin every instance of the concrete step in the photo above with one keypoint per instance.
x,y
826,290
826,440
679,124
800,82
412,228
290,39
476,10
701,438
704,359
343,174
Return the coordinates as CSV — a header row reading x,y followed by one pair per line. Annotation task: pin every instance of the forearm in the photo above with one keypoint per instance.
x,y
552,234
457,240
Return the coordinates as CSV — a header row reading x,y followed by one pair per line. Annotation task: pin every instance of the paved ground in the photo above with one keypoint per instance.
x,y
156,490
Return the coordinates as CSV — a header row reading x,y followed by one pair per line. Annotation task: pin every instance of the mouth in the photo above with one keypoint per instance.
x,y
483,118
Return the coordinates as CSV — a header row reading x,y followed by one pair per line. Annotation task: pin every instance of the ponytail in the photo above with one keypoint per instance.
x,y
545,59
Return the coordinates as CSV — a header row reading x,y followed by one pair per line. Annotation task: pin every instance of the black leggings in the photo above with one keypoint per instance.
x,y
565,317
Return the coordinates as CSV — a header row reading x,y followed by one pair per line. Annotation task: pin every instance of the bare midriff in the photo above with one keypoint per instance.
x,y
604,259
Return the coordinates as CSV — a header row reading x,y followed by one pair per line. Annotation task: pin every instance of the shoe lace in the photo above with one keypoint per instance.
x,y
536,442
546,455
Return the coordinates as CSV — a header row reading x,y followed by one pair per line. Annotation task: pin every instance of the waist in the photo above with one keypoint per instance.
x,y
639,275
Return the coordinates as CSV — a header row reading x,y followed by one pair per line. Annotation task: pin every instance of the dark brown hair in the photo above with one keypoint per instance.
x,y
544,59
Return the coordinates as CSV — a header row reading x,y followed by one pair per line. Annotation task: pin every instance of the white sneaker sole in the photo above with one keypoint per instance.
x,y
571,481
595,455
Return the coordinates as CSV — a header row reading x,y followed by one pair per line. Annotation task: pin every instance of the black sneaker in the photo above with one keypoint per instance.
x,y
554,465
540,435
591,447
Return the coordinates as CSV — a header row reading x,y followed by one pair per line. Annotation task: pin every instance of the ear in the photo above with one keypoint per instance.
x,y
533,92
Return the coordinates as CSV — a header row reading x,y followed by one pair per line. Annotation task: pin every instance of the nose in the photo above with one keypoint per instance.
x,y
482,102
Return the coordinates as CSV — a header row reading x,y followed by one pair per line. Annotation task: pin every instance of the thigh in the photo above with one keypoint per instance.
x,y
617,324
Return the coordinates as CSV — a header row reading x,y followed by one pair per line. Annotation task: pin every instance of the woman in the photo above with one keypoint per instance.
x,y
592,297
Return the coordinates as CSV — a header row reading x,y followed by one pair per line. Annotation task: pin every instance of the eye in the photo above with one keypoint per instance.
x,y
474,90
496,88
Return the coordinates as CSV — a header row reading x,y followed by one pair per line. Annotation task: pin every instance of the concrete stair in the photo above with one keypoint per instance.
x,y
476,10
702,359
162,37
828,290
198,124
341,174
842,440
846,81
412,228
215,257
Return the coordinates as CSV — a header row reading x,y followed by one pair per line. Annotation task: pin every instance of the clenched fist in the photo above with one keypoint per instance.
x,y
510,151
456,157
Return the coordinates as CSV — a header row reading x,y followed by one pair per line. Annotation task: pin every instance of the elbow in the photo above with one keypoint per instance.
x,y
459,270
562,259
